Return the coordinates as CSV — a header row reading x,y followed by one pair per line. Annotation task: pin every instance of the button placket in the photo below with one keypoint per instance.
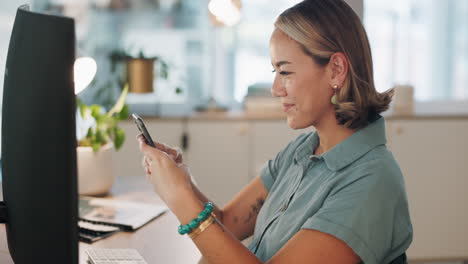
x,y
302,168
285,205
283,208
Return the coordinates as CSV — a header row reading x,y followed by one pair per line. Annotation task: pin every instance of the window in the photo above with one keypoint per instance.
x,y
252,59
422,43
418,42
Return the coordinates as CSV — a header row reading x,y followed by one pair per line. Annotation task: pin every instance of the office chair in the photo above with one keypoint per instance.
x,y
400,260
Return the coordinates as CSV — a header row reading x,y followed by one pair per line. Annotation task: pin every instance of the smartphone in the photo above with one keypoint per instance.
x,y
141,126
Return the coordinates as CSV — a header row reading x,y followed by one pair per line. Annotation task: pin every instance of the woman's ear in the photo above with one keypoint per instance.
x,y
338,66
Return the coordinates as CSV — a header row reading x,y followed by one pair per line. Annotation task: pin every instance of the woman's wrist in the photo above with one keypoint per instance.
x,y
186,206
200,223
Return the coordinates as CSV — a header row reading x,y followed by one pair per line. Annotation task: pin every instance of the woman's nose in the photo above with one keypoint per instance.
x,y
278,89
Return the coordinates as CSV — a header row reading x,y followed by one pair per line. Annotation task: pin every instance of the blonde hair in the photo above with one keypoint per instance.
x,y
324,27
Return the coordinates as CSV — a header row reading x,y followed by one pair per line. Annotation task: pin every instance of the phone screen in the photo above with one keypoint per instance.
x,y
141,126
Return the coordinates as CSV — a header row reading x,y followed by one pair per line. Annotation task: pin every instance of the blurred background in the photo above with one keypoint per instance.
x,y
209,92
418,42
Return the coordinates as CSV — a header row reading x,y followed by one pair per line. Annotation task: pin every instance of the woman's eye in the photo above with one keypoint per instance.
x,y
282,72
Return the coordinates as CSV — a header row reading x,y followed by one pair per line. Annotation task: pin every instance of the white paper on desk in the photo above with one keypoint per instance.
x,y
128,215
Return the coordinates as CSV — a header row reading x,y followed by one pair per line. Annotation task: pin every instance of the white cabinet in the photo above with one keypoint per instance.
x,y
433,155
218,157
127,161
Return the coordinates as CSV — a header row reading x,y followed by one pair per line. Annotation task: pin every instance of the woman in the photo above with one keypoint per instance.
x,y
333,196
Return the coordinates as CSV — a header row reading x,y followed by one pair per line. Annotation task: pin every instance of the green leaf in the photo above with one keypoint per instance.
x,y
82,107
96,147
178,90
120,102
119,138
83,111
96,111
100,137
79,103
106,123
90,133
124,113
99,120
164,70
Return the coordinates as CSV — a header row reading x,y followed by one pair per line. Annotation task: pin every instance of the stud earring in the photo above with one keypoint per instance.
x,y
334,99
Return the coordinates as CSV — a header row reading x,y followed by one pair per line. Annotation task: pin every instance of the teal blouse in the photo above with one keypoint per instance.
x,y
355,192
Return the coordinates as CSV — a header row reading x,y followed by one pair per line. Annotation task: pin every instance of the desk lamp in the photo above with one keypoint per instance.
x,y
84,70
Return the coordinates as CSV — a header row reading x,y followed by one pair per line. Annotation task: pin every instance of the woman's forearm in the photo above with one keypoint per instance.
x,y
218,212
239,215
216,243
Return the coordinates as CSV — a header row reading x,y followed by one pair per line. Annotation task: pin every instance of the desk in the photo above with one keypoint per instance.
x,y
157,242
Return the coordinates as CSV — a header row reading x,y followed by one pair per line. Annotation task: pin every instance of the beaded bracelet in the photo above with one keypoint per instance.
x,y
195,232
202,216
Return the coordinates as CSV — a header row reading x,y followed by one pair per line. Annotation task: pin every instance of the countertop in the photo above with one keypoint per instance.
x,y
272,115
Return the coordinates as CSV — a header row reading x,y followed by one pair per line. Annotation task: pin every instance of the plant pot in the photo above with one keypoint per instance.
x,y
140,74
95,172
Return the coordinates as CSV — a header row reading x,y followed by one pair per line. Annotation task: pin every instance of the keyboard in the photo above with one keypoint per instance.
x,y
91,232
114,256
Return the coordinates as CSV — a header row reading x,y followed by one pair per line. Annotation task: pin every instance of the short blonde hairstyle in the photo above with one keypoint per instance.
x,y
324,27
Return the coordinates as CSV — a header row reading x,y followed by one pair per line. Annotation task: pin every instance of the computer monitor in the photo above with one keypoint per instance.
x,y
38,141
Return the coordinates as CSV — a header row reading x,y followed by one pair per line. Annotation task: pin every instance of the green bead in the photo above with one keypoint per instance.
x,y
183,229
194,223
202,216
209,205
207,211
334,100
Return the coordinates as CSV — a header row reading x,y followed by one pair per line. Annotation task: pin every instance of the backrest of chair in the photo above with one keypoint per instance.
x,y
400,260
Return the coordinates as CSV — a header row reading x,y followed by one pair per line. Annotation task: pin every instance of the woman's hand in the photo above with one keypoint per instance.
x,y
165,170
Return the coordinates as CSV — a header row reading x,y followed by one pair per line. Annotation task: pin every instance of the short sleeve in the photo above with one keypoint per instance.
x,y
269,172
272,168
369,212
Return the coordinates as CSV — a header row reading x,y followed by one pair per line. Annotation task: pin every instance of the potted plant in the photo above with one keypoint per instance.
x,y
141,70
98,134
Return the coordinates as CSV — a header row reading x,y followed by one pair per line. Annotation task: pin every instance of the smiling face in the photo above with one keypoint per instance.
x,y
302,84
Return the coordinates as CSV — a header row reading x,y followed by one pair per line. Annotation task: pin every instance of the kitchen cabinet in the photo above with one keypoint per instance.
x,y
433,156
218,157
